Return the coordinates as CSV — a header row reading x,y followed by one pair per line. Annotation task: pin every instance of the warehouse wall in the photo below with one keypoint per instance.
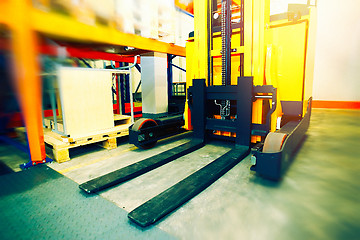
x,y
281,6
337,55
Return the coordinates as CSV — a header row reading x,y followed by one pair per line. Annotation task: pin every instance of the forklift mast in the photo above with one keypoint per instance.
x,y
277,51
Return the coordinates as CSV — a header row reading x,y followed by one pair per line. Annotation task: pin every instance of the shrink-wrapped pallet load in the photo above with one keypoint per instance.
x,y
124,16
166,13
103,10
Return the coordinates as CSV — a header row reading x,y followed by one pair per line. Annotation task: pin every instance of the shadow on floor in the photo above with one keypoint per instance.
x,y
5,169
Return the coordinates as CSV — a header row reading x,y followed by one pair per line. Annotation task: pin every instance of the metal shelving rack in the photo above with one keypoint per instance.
x,y
26,24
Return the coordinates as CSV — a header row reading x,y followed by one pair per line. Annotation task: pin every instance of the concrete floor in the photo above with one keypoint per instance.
x,y
317,199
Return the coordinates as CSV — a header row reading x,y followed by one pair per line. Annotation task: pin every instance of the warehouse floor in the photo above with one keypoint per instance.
x,y
317,199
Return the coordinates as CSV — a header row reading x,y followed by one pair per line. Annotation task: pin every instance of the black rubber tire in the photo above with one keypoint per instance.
x,y
143,123
273,142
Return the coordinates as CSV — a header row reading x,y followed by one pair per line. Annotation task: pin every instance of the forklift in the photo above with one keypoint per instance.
x,y
249,81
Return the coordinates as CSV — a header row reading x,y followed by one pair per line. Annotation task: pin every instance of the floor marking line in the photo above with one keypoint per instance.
x,y
93,161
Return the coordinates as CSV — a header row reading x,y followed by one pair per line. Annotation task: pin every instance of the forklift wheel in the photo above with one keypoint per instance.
x,y
273,142
143,123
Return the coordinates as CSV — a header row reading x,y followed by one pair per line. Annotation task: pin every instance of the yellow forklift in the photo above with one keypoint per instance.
x,y
277,52
249,81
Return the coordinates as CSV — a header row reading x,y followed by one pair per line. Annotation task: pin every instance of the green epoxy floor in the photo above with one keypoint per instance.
x,y
40,203
318,198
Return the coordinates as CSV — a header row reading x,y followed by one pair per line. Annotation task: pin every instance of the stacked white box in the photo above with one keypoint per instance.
x,y
154,84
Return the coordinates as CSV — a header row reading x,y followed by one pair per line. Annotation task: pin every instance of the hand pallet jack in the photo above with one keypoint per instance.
x,y
145,132
270,157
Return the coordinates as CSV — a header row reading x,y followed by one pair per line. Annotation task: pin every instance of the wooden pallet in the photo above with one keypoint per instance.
x,y
59,145
107,138
118,120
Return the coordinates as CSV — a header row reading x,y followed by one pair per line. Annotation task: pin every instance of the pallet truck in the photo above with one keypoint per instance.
x,y
236,103
165,118
145,132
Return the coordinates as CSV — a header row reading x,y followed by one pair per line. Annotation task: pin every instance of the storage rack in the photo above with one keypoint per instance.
x,y
26,24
